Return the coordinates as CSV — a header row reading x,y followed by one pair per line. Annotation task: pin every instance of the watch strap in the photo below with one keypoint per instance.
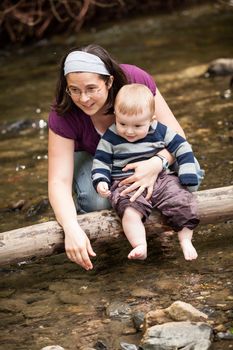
x,y
165,163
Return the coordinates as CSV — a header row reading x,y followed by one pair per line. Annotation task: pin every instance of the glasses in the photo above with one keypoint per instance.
x,y
89,92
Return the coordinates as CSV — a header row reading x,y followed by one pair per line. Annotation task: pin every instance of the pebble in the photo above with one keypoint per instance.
x,y
225,336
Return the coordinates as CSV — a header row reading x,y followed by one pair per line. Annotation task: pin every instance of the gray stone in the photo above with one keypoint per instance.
x,y
173,335
118,310
126,346
53,347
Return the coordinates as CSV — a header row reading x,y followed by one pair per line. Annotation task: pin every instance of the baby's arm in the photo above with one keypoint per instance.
x,y
182,151
103,189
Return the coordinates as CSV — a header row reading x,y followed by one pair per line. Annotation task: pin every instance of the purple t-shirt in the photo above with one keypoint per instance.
x,y
78,126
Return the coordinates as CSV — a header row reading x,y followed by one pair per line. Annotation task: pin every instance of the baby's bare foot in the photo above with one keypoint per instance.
x,y
139,252
189,251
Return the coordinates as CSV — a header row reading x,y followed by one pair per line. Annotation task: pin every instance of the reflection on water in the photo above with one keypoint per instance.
x,y
53,301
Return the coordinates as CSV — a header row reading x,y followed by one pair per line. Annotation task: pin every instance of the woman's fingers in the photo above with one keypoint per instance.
x,y
131,188
85,260
149,192
128,180
81,257
90,250
137,193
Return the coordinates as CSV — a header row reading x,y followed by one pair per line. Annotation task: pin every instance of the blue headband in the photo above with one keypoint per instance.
x,y
80,61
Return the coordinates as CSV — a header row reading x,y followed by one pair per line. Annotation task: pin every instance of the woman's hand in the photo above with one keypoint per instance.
x,y
146,173
78,246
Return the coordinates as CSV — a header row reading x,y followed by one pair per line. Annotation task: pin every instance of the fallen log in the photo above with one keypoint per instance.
x,y
31,242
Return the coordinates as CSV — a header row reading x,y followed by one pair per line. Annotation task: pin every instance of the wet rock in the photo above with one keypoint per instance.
x,y
143,293
38,309
181,311
53,347
5,293
11,305
138,320
168,285
16,126
220,328
6,319
191,336
100,345
220,67
118,310
68,297
38,208
126,346
129,330
18,205
225,336
153,318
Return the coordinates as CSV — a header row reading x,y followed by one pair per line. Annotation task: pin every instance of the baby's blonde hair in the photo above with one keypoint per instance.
x,y
135,99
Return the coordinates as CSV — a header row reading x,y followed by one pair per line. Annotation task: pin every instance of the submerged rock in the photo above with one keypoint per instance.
x,y
118,310
53,347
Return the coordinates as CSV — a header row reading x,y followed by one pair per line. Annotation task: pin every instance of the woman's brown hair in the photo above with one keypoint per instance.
x,y
63,101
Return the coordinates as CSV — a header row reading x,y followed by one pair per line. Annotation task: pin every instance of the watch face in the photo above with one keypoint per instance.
x,y
165,164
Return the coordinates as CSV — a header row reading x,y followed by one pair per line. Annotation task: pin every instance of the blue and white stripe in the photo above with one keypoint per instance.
x,y
114,153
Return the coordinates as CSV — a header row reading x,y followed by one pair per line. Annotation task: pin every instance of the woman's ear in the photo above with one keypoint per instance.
x,y
110,81
153,118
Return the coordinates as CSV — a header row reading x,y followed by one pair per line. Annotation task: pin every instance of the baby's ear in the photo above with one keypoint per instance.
x,y
153,118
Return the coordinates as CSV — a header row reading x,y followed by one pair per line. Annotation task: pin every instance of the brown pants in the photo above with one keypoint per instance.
x,y
174,201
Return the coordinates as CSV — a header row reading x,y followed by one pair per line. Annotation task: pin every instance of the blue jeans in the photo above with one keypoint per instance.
x,y
86,198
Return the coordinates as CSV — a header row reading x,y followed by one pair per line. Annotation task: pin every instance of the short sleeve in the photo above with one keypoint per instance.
x,y
138,75
63,126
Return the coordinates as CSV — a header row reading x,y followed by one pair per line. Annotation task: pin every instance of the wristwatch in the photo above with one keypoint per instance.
x,y
165,163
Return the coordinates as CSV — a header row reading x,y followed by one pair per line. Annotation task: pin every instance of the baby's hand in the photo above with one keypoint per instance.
x,y
102,189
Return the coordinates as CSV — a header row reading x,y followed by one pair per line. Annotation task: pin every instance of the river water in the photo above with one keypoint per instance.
x,y
53,301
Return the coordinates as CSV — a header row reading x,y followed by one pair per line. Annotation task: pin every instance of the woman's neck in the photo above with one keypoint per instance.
x,y
102,121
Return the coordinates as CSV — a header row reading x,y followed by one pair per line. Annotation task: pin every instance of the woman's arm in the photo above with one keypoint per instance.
x,y
60,178
164,114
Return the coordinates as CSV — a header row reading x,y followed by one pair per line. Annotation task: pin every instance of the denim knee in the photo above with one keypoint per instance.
x,y
86,198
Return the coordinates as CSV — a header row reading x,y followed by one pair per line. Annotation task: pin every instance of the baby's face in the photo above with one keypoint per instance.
x,y
133,127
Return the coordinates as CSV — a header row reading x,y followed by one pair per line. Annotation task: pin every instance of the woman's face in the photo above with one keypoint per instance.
x,y
88,91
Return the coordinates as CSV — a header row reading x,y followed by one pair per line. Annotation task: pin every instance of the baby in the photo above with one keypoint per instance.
x,y
137,136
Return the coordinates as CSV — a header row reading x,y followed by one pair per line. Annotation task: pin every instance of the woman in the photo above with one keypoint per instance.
x,y
89,81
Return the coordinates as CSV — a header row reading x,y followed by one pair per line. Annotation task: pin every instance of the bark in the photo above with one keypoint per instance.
x,y
32,242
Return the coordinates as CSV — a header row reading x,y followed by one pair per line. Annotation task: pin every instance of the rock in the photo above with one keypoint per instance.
x,y
225,336
38,208
138,319
53,347
220,67
100,345
38,309
181,311
12,305
153,318
126,346
142,293
175,335
118,310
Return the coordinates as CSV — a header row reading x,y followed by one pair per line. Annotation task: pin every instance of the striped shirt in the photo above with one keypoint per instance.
x,y
114,152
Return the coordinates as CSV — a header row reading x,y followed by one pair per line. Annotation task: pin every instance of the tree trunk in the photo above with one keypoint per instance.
x,y
28,243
